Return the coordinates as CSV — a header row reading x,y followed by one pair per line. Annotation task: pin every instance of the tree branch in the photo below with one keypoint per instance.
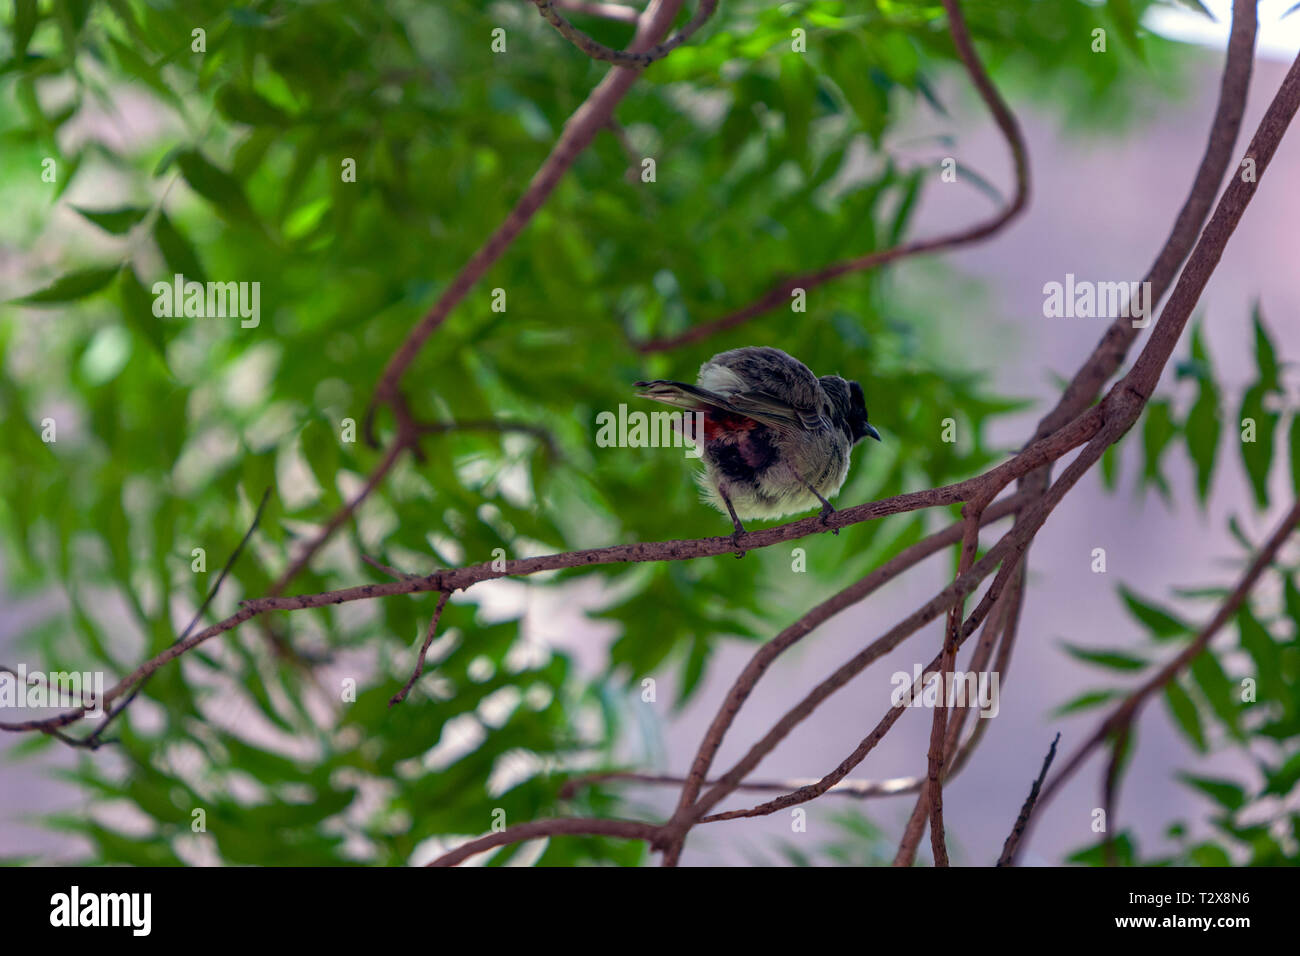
x,y
1006,122
581,826
595,112
1126,712
1022,821
628,58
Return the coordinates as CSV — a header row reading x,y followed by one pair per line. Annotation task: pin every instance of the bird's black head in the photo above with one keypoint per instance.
x,y
859,427
852,407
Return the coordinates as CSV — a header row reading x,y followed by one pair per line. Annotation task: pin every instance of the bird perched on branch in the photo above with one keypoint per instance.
x,y
776,438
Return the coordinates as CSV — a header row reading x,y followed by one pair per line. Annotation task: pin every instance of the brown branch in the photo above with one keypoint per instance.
x,y
1010,128
409,433
93,740
628,58
1126,712
1022,821
859,789
1098,427
595,112
939,726
424,649
1006,552
580,826
1109,353
897,785
1112,418
456,579
762,660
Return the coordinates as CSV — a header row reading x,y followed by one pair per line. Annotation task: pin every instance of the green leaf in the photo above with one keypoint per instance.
x,y
1257,455
1110,466
1202,427
1265,353
1159,622
1110,659
117,221
1183,710
1292,599
1098,855
1086,701
1293,441
137,309
1126,20
1158,429
249,107
1265,653
1219,692
1223,792
71,287
215,185
1210,854
25,17
697,659
1283,780
177,251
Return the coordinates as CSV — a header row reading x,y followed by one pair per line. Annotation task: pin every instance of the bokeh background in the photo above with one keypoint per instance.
x,y
1113,142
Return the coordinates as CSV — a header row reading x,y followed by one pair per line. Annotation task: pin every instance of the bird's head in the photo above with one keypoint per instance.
x,y
852,407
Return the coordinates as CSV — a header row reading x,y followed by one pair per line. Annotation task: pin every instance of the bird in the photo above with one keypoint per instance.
x,y
776,438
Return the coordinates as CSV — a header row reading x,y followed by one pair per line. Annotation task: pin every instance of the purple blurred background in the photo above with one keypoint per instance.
x,y
1101,208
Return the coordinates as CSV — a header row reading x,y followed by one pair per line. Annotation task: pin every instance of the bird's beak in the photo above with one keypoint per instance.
x,y
873,433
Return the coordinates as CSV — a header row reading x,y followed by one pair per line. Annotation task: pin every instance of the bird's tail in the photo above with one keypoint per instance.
x,y
680,394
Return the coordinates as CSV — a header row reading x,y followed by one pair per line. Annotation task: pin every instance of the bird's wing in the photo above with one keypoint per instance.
x,y
759,406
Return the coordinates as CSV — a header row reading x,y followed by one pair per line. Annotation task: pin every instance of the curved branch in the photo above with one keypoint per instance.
x,y
939,725
859,789
1126,712
598,51
424,650
580,129
1022,821
1224,130
571,826
1006,122
456,579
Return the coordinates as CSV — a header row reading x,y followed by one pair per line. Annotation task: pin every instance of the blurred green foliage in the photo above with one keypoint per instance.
x,y
1241,695
227,165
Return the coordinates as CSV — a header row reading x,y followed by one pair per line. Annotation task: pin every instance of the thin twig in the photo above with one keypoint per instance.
x,y
1008,856
780,294
424,649
93,740
628,58
579,130
1126,712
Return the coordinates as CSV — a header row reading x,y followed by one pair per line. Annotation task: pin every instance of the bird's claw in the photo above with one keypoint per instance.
x,y
735,543
826,513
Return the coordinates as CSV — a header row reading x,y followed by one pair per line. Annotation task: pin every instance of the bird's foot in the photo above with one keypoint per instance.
x,y
735,542
826,513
